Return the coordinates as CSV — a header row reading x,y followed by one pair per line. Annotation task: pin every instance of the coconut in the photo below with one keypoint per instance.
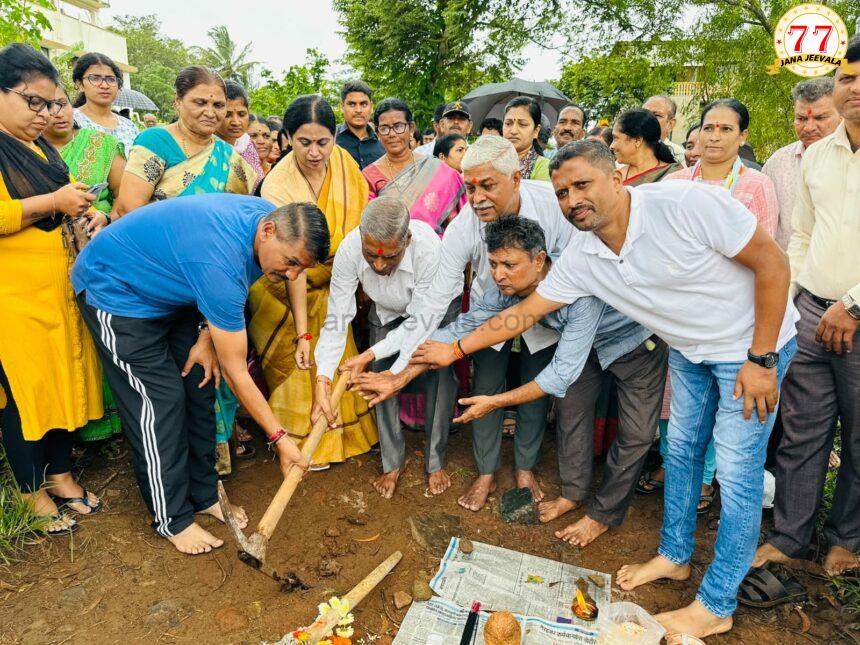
x,y
502,629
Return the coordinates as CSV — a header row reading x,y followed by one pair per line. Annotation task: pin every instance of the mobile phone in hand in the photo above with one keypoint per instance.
x,y
96,189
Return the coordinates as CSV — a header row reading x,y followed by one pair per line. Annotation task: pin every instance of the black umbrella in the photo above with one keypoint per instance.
x,y
489,100
128,98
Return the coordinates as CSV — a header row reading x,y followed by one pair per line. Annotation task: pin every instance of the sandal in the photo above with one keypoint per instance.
x,y
707,500
83,499
67,525
509,426
646,481
762,589
245,450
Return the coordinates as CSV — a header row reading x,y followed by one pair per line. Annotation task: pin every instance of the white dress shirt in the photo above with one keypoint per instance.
x,y
464,243
394,295
674,274
783,168
825,242
677,151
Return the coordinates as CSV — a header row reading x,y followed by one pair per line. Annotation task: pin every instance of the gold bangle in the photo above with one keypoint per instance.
x,y
458,351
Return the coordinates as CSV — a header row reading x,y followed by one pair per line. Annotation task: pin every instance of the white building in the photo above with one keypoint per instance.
x,y
75,23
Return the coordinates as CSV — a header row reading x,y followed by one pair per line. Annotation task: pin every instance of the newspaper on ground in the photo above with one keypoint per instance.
x,y
441,622
538,591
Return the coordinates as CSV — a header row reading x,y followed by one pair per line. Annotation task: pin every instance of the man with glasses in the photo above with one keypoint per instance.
x,y
664,109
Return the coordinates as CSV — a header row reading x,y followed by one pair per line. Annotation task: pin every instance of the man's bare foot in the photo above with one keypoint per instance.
x,y
582,532
475,498
386,483
527,479
439,482
216,512
557,507
767,552
631,576
695,620
195,540
839,560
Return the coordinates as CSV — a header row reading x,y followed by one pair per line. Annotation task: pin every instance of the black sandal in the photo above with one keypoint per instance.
x,y
647,480
762,589
84,499
707,500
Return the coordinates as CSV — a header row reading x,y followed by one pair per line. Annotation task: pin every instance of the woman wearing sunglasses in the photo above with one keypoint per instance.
x,y
50,381
99,80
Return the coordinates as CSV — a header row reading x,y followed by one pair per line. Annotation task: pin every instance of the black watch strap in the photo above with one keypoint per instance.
x,y
769,360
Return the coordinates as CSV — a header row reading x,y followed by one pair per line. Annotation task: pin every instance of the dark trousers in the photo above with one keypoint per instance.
x,y
490,378
31,461
440,390
819,387
640,377
168,420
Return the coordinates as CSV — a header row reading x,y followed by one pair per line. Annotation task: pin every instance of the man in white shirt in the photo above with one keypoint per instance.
x,y
823,383
689,263
664,109
495,188
815,117
394,260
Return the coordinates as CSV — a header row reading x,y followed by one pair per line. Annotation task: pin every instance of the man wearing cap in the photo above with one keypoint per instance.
x,y
456,119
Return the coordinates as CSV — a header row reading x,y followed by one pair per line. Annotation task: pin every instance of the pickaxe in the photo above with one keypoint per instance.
x,y
252,550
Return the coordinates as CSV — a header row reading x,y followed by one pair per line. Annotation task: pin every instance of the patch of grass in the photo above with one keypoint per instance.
x,y
848,592
18,521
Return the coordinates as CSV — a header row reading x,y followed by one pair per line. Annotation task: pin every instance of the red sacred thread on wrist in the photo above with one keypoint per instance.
x,y
306,337
275,438
458,351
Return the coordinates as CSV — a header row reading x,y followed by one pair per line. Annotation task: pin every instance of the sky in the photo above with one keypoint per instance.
x,y
280,30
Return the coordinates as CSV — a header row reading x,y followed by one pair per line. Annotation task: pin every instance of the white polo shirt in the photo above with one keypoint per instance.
x,y
674,274
464,243
395,295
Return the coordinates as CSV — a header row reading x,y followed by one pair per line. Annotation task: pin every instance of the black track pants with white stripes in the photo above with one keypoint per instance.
x,y
168,420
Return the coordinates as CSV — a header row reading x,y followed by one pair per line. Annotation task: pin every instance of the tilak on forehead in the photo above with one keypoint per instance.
x,y
380,252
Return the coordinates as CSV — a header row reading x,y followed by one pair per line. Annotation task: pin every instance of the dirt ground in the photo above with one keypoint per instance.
x,y
115,581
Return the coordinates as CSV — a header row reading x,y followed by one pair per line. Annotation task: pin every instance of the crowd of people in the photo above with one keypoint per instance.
x,y
499,274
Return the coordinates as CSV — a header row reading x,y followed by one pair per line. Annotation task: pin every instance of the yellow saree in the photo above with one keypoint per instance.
x,y
272,329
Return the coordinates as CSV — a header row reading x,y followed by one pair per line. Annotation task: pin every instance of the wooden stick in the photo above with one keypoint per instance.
x,y
324,624
279,503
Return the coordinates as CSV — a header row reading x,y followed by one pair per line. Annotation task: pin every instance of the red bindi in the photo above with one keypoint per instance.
x,y
379,252
809,113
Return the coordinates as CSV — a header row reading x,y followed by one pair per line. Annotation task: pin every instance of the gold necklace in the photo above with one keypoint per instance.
x,y
308,181
183,143
391,166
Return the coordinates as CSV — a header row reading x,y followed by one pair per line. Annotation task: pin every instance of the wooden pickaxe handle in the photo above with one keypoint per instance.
x,y
276,508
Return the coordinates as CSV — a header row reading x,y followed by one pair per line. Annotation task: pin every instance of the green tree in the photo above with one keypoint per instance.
x,y
23,21
225,56
312,77
158,58
427,51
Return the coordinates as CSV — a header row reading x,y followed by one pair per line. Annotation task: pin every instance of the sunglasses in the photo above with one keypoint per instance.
x,y
36,103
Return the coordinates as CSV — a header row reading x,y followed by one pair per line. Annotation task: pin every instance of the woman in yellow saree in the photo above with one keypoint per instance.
x,y
315,171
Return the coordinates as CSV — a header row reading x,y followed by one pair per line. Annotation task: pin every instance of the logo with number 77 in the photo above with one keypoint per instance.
x,y
810,40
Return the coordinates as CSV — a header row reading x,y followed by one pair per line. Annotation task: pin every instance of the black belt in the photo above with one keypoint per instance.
x,y
824,302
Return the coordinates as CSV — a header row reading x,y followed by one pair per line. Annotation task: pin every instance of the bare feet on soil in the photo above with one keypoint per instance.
x,y
475,498
582,532
527,479
695,620
768,553
238,512
386,483
439,482
631,576
839,560
195,540
555,508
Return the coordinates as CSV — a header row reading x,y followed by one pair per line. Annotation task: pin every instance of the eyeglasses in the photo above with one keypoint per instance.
x,y
36,103
399,128
98,79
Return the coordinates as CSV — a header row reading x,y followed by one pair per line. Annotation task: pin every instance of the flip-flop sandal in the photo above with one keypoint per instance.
x,y
71,526
245,450
762,589
707,500
647,480
84,499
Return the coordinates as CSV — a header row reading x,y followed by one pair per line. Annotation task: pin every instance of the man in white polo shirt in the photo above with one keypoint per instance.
x,y
689,263
495,188
394,260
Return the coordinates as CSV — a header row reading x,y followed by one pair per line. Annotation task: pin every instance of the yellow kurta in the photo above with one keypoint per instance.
x,y
45,348
342,198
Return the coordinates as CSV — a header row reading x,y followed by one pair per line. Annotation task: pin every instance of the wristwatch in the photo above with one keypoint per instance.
x,y
851,306
769,360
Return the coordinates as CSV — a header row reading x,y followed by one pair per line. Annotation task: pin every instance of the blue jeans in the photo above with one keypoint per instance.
x,y
710,454
703,408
